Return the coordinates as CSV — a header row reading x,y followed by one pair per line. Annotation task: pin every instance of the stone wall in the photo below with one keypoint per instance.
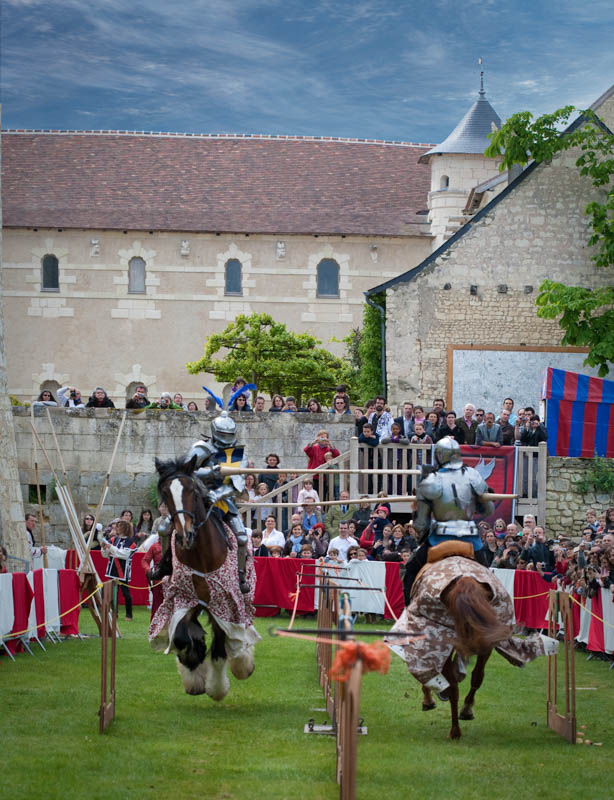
x,y
565,507
538,230
86,439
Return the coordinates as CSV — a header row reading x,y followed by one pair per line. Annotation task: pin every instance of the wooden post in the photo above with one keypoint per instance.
x,y
354,466
347,696
563,724
542,467
103,495
108,629
41,520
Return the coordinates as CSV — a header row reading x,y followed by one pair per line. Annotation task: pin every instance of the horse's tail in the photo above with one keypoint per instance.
x,y
477,628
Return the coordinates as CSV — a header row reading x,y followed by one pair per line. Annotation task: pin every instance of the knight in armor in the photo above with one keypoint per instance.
x,y
448,499
220,450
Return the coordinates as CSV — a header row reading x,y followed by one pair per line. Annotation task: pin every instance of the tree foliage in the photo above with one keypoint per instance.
x,y
370,351
277,360
585,315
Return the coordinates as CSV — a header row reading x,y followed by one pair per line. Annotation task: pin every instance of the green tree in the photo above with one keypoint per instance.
x,y
585,315
370,351
277,360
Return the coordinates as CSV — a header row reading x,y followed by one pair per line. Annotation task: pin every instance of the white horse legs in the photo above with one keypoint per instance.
x,y
217,679
194,680
243,665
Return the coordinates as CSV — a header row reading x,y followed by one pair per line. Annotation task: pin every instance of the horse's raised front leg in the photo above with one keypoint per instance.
x,y
477,676
242,665
189,641
451,675
428,704
217,679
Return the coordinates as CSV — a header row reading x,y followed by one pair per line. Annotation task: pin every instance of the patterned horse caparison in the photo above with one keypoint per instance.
x,y
458,605
205,577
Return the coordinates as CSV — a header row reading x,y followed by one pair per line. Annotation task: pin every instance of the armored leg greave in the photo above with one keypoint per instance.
x,y
236,523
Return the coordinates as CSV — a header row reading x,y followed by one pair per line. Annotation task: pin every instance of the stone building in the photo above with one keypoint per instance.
x,y
124,251
463,324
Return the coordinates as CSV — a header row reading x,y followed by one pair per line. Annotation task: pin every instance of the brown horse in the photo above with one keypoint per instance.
x,y
202,544
478,631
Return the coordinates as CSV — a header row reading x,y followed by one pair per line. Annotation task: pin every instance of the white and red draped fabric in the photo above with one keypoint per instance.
x,y
45,610
70,606
17,588
33,604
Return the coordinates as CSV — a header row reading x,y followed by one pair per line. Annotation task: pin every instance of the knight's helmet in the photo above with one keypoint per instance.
x,y
447,453
224,431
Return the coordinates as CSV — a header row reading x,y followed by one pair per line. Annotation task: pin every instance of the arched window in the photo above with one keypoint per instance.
x,y
50,277
328,278
444,182
233,283
136,276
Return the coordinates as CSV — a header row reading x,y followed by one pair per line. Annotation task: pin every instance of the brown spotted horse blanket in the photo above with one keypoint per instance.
x,y
232,610
428,615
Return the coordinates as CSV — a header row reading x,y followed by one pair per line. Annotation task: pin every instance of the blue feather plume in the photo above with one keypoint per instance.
x,y
249,387
215,397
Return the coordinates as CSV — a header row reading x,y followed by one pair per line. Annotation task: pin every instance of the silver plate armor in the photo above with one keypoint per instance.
x,y
448,500
224,430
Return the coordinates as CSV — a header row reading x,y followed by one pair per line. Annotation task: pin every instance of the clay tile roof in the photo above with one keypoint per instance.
x,y
175,182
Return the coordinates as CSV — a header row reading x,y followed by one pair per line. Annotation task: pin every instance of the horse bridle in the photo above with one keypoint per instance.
x,y
199,488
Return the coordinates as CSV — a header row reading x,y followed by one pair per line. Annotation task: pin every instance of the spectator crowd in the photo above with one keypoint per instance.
x,y
375,423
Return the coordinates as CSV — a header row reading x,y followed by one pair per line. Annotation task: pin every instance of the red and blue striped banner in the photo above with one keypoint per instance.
x,y
579,414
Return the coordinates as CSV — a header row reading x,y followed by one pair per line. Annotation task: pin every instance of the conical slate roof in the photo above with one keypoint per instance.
x,y
470,135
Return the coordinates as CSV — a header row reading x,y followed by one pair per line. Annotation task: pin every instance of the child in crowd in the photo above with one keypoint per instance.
x,y
260,550
420,437
307,494
368,436
306,551
262,512
591,520
332,557
294,542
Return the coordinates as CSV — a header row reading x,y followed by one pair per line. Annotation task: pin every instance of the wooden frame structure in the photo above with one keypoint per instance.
x,y
342,698
559,603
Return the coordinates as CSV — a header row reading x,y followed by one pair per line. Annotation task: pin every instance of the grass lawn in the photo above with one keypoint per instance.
x,y
164,743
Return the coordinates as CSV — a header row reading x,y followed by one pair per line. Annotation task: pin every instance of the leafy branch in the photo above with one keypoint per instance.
x,y
277,360
586,315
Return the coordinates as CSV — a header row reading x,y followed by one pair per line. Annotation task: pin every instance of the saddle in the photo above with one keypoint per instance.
x,y
450,548
445,550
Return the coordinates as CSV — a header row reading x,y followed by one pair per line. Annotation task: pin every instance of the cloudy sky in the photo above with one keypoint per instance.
x,y
394,69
